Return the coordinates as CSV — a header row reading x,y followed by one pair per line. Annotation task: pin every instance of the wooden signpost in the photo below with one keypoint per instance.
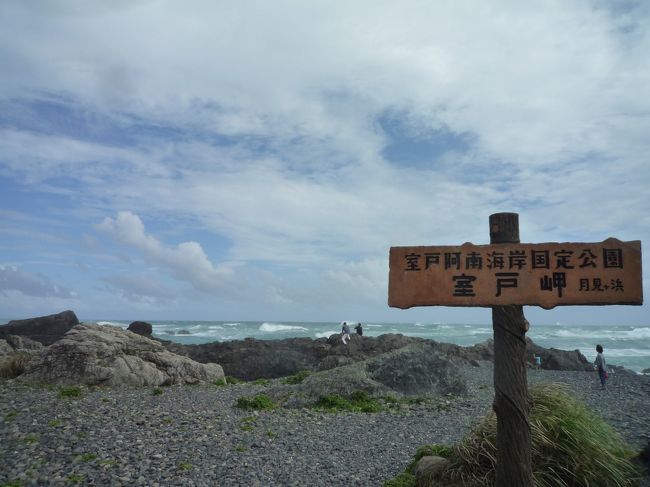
x,y
506,275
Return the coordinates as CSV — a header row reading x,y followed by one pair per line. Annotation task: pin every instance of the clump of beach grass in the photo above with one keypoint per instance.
x,y
359,401
258,402
14,365
71,392
571,445
297,378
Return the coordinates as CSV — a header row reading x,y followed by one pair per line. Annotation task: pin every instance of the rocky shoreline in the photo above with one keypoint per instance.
x,y
98,405
194,435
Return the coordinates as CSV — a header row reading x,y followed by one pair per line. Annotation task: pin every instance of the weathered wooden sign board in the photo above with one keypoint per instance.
x,y
546,274
506,275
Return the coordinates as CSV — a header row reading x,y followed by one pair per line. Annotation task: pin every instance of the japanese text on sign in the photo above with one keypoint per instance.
x,y
546,275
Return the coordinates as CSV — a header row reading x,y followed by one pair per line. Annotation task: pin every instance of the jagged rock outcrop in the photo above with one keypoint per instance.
x,y
43,329
251,359
109,355
418,369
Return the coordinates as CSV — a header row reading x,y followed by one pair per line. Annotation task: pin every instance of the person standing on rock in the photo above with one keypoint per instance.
x,y
359,329
345,333
601,366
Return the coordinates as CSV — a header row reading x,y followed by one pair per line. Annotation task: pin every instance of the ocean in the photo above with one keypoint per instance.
x,y
627,346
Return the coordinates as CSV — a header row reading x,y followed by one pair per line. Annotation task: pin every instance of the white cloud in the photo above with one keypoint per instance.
x,y
12,278
262,127
187,261
141,288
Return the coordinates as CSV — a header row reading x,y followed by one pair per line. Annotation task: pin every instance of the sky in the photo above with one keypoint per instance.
x,y
255,160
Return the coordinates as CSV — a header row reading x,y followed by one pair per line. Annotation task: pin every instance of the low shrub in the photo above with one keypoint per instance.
x,y
157,391
297,378
261,382
333,402
259,402
359,401
233,380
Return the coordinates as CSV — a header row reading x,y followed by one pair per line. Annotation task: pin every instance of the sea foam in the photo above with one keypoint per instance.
x,y
274,327
111,323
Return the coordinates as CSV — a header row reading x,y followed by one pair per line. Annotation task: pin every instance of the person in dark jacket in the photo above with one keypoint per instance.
x,y
601,366
359,329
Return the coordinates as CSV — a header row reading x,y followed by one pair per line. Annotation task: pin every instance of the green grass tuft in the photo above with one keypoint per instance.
x,y
72,392
404,479
76,479
10,415
233,380
87,457
297,378
570,446
248,423
359,401
157,391
258,402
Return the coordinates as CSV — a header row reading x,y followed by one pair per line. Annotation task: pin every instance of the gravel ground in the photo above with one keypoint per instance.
x,y
194,436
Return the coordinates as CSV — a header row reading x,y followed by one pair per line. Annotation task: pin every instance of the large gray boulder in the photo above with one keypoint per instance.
x,y
43,329
109,355
141,328
555,359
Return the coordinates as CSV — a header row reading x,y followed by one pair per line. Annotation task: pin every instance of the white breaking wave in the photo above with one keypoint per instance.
x,y
600,333
111,323
640,333
273,327
626,352
231,324
325,334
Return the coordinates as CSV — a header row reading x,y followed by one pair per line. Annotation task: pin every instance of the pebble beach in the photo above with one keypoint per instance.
x,y
195,436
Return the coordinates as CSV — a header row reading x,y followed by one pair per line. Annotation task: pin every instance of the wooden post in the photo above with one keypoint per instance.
x,y
511,401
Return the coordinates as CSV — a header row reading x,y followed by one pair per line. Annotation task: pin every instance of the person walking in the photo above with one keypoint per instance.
x,y
601,366
345,333
359,329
